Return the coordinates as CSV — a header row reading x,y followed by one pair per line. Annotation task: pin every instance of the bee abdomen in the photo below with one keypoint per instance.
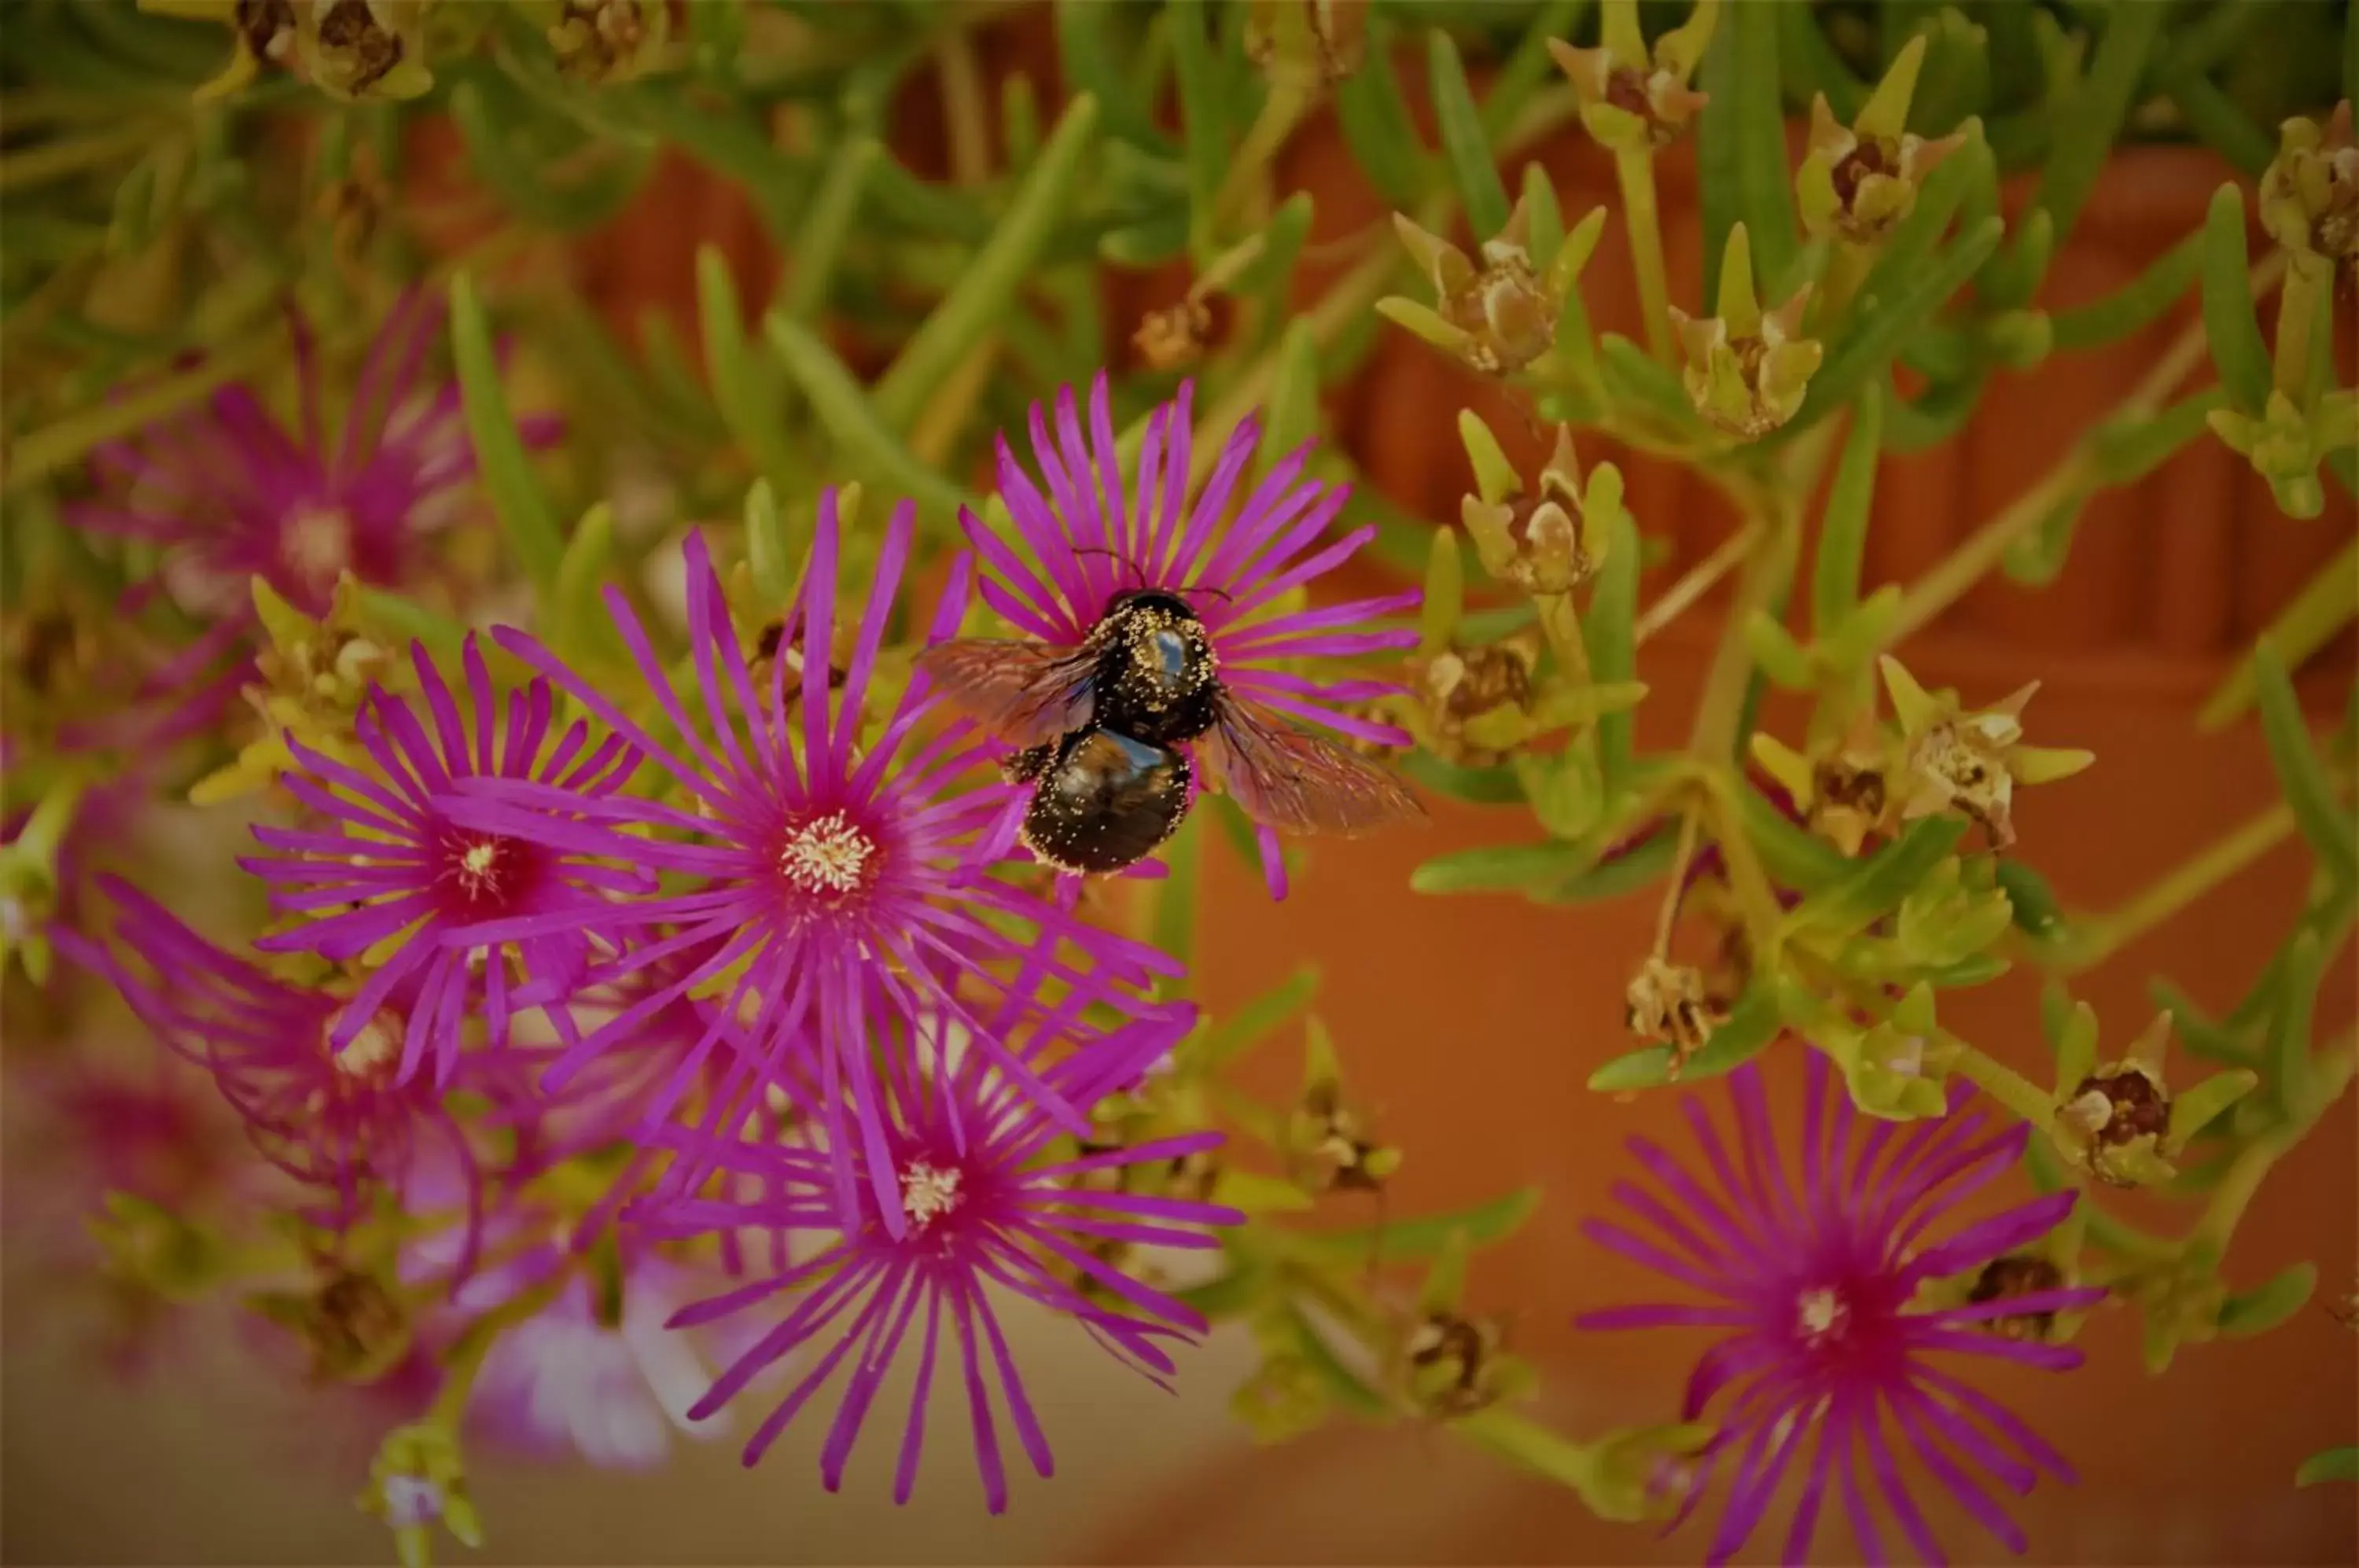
x,y
1108,801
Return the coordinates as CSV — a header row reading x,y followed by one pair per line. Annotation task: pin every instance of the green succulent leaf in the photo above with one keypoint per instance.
x,y
522,509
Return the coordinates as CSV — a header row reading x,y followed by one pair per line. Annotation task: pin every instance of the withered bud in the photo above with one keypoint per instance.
x,y
2005,1278
2119,1104
1668,1004
1175,335
1450,1360
266,28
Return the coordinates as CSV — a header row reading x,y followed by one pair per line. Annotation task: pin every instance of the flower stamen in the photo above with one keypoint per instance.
x,y
928,1193
829,854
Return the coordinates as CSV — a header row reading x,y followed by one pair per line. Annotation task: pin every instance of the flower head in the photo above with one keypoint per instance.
x,y
2309,192
1077,542
976,1203
1814,1276
403,884
229,492
338,1121
835,896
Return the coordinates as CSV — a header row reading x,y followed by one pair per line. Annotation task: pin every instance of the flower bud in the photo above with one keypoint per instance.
x,y
2285,444
1895,1068
1282,1399
2309,192
417,1480
1745,370
315,675
1631,102
1859,182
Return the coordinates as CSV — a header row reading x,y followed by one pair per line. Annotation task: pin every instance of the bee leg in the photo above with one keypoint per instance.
x,y
1026,766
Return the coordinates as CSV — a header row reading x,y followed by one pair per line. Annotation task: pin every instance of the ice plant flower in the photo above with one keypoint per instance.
x,y
833,890
337,1121
1813,1276
403,885
229,492
975,1202
1077,541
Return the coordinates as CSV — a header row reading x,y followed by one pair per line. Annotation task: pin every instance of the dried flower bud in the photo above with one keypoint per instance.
x,y
1545,544
2123,1112
608,40
1969,762
1489,687
1175,335
1845,795
2016,1275
2309,192
354,1324
1859,182
1496,317
1747,370
1631,101
1454,1367
1669,1003
365,49
267,30
1331,1152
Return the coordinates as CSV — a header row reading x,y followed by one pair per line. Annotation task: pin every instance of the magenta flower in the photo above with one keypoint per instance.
x,y
1233,561
408,886
983,1212
229,492
1812,1282
835,894
338,1122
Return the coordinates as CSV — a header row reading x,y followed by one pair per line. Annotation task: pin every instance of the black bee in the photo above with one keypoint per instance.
x,y
1102,726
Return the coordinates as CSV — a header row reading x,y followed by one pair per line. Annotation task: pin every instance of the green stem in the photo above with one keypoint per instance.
x,y
2308,280
1281,111
2252,1165
2181,885
1636,171
2027,1100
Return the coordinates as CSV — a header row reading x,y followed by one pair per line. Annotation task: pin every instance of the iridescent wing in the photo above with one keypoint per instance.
x,y
1026,692
1296,781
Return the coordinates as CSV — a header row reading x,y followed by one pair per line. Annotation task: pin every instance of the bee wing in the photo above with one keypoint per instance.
x,y
1297,781
1027,692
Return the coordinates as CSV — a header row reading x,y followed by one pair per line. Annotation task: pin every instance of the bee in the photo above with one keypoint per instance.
x,y
1111,733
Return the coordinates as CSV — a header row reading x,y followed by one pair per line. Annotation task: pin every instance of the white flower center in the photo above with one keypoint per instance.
x,y
1820,1314
827,855
317,542
928,1193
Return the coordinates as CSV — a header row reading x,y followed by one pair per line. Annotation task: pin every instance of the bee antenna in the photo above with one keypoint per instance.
x,y
1221,594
